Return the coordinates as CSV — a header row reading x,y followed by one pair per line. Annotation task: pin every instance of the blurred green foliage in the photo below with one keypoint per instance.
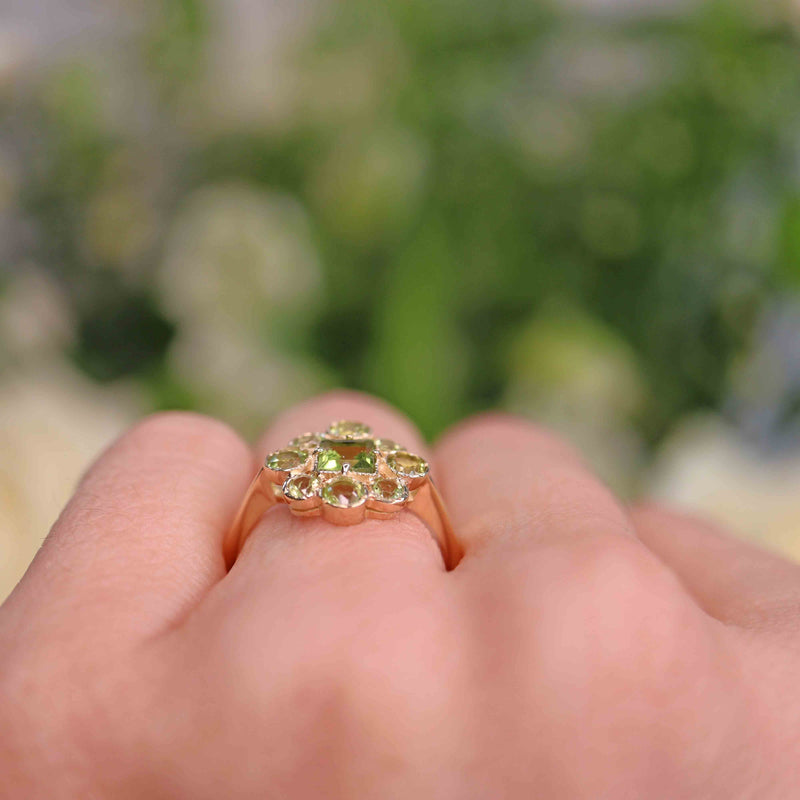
x,y
466,166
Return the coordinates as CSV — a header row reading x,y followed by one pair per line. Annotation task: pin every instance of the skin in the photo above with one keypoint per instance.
x,y
579,650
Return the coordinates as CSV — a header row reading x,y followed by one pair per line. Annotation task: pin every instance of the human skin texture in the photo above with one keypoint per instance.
x,y
579,650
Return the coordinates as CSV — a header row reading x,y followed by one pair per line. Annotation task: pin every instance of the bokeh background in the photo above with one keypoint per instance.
x,y
585,211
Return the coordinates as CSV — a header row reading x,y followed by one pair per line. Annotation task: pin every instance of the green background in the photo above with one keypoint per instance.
x,y
589,217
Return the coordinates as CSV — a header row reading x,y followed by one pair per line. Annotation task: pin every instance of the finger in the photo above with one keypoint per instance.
x,y
141,540
281,539
350,598
553,575
734,581
508,483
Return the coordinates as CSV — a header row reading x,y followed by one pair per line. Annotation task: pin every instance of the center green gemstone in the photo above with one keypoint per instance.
x,y
344,492
335,455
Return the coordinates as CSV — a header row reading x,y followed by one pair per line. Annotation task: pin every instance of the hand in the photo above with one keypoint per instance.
x,y
577,651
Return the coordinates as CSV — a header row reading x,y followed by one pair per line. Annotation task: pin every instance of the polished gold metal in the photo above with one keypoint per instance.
x,y
344,475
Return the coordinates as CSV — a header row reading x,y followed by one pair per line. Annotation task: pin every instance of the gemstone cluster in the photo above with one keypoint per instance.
x,y
345,468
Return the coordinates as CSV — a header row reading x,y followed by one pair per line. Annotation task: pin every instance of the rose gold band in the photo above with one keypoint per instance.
x,y
259,499
426,503
344,476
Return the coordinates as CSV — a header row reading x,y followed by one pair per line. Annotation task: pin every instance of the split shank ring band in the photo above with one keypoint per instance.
x,y
344,475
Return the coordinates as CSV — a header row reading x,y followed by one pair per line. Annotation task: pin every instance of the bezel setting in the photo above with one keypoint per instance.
x,y
342,491
286,460
306,441
388,493
369,478
300,487
345,473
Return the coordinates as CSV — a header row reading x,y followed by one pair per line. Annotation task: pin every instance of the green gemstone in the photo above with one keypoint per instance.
x,y
308,441
387,445
329,461
344,492
300,487
359,456
388,490
347,429
407,464
364,462
284,460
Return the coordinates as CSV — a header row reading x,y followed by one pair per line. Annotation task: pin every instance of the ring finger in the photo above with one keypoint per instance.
x,y
288,559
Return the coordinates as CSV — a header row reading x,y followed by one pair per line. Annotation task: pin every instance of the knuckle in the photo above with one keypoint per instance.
x,y
365,699
623,608
628,588
349,686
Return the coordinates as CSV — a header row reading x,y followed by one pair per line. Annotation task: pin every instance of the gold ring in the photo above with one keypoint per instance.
x,y
344,475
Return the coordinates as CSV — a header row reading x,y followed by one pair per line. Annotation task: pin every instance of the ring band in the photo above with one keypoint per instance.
x,y
344,475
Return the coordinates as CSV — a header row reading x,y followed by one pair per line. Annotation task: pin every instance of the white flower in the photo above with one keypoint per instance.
x,y
237,256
